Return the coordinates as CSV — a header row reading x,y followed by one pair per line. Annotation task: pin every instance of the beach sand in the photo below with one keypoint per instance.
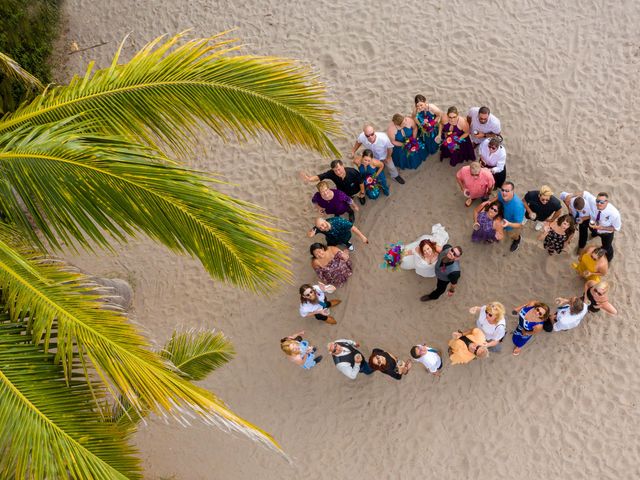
x,y
563,79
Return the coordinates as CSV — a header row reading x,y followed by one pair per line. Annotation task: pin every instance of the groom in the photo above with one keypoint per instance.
x,y
447,272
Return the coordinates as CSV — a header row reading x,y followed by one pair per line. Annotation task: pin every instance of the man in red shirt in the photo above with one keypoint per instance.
x,y
475,182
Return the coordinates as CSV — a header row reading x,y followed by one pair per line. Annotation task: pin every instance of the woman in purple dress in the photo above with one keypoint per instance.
x,y
487,223
332,265
455,145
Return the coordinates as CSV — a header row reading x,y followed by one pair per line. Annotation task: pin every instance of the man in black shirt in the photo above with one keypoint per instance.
x,y
542,206
346,179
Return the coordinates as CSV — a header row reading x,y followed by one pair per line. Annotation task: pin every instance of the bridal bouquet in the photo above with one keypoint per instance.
x,y
393,257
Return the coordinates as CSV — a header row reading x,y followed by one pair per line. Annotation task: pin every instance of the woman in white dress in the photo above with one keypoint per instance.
x,y
422,254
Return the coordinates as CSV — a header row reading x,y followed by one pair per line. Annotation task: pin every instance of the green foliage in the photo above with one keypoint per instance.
x,y
40,412
198,353
28,29
89,163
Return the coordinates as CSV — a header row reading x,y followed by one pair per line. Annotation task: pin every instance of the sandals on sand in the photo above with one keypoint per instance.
x,y
468,202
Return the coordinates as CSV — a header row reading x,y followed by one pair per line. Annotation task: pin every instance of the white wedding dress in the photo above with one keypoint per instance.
x,y
415,262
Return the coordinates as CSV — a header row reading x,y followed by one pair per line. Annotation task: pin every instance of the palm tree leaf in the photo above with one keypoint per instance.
x,y
12,69
198,353
104,340
49,429
168,91
194,353
92,190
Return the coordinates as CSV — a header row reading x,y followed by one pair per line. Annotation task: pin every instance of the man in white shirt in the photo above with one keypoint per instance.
x,y
429,357
494,157
569,314
580,205
380,145
348,358
605,221
482,124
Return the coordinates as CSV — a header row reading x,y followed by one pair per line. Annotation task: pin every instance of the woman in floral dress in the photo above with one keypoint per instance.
x,y
332,265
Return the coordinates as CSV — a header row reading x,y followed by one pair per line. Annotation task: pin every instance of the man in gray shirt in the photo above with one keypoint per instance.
x,y
447,272
348,358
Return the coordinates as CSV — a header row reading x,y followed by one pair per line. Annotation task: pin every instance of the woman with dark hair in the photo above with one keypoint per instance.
x,y
558,233
455,145
487,222
597,294
332,265
531,318
422,254
314,303
494,157
388,364
427,117
403,132
372,173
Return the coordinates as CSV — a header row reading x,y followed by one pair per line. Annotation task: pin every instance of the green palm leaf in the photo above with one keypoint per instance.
x,y
92,190
194,353
198,353
167,91
12,69
107,344
48,429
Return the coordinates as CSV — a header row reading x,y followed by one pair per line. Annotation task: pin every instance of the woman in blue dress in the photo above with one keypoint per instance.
x,y
531,317
403,133
455,145
372,173
427,117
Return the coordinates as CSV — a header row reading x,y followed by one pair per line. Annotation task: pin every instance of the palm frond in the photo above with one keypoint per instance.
x,y
89,189
12,69
48,428
167,91
104,340
194,353
197,353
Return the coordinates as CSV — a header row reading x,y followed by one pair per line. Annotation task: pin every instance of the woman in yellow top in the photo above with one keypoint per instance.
x,y
465,346
592,264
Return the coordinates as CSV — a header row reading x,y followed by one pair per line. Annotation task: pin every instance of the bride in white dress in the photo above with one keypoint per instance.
x,y
424,262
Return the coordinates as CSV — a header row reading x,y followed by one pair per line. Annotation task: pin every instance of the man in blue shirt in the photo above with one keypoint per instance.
x,y
513,213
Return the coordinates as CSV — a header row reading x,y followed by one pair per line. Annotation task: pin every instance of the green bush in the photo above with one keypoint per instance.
x,y
28,29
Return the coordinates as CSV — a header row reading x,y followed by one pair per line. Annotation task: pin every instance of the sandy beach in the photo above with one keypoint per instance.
x,y
563,79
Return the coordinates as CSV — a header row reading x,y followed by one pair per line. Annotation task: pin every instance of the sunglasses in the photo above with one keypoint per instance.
x,y
601,202
598,292
493,209
369,135
504,190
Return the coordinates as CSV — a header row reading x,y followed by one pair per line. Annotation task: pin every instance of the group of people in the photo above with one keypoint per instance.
x,y
408,141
